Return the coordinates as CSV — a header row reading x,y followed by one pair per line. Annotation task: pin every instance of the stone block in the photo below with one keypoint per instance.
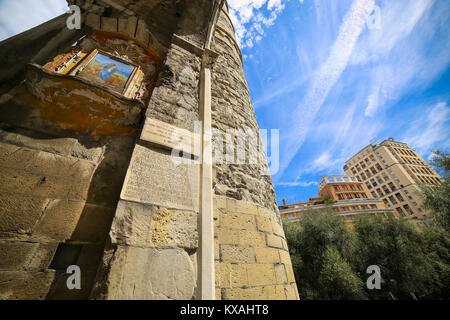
x,y
16,255
142,33
19,213
277,229
46,163
291,292
93,21
22,285
237,254
231,275
109,24
274,241
131,26
285,257
216,250
144,225
264,224
42,185
280,274
261,274
150,273
256,293
267,255
59,221
290,273
42,256
236,220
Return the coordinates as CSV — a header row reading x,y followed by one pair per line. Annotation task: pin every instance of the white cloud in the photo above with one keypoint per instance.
x,y
431,131
296,184
326,77
249,18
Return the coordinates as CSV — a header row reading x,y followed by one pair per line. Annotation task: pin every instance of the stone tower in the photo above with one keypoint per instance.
x,y
110,144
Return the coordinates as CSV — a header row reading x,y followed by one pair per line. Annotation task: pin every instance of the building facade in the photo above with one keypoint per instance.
x,y
89,122
392,172
344,195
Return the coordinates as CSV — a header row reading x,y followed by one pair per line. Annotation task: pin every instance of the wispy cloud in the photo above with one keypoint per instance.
x,y
431,131
296,184
326,76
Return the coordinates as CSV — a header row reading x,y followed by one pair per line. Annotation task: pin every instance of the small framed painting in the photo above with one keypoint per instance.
x,y
106,70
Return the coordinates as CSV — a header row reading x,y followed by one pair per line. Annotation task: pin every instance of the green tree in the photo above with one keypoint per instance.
x,y
398,248
321,249
436,198
437,250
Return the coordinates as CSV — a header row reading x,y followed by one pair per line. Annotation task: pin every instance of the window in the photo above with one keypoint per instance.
x,y
408,209
374,183
399,197
391,185
391,198
400,211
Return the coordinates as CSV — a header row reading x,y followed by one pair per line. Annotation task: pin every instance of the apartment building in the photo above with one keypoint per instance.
x,y
392,171
343,194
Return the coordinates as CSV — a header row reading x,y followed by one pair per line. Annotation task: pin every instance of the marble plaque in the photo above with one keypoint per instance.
x,y
169,136
153,178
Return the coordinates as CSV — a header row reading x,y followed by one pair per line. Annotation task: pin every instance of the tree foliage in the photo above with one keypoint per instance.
x,y
330,260
321,250
436,198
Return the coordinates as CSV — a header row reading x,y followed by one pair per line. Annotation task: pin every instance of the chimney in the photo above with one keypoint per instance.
x,y
284,203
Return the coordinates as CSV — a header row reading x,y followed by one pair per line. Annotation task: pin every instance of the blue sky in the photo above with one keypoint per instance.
x,y
331,82
327,79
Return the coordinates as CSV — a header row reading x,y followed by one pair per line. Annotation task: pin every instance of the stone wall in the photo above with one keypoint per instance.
x,y
251,254
232,109
55,205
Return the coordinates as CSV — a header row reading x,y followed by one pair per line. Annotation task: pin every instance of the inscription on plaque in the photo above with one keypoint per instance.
x,y
154,179
170,136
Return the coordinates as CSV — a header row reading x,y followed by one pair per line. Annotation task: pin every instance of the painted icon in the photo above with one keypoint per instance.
x,y
108,72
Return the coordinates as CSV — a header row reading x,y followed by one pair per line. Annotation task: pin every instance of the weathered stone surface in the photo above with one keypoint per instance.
x,y
261,274
232,109
42,185
16,255
19,213
60,146
275,292
150,273
143,225
60,220
154,178
42,256
237,254
21,285
250,259
175,97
